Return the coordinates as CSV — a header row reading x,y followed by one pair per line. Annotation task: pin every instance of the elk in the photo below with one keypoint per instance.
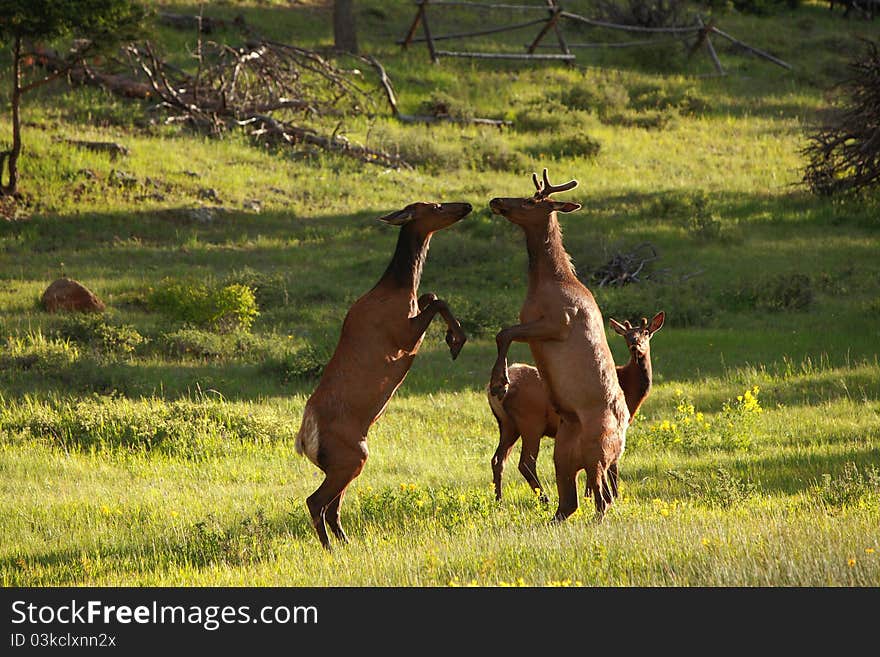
x,y
526,410
380,337
563,327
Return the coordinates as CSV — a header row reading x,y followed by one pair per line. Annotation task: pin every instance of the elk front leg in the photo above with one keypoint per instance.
x,y
546,328
429,307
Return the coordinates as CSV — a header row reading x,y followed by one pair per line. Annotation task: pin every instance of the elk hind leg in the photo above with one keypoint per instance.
x,y
507,437
324,503
528,464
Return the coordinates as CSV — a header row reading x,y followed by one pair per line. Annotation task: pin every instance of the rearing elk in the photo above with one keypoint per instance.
x,y
380,337
526,410
563,327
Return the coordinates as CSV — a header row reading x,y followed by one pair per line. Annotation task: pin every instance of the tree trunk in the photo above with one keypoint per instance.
x,y
10,157
344,31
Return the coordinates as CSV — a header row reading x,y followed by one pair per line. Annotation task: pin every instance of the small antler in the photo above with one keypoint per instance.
x,y
545,189
626,324
644,322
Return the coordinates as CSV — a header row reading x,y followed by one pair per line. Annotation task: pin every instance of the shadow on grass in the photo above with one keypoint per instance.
x,y
787,473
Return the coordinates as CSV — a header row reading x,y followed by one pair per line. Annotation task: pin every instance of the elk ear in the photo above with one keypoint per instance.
x,y
619,328
565,206
657,322
399,217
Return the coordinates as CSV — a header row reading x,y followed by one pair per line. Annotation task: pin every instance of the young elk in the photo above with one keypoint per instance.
x,y
526,409
380,337
563,327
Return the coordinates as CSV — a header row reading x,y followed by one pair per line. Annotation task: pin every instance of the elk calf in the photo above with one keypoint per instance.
x,y
380,337
526,410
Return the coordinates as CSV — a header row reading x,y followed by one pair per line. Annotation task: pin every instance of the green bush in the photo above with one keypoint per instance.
x,y
731,429
270,289
443,104
575,145
693,211
207,305
303,364
602,96
850,488
719,488
96,332
207,345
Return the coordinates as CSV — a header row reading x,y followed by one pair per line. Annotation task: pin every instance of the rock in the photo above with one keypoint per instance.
x,y
254,205
122,178
68,294
202,214
209,194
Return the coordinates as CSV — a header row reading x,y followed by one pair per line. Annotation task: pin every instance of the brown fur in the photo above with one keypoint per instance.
x,y
380,338
563,327
526,410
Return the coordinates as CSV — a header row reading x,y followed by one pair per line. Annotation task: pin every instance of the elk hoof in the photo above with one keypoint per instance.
x,y
455,343
426,299
499,389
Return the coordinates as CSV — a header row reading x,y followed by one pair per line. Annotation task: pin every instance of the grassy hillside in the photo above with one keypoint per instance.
x,y
139,449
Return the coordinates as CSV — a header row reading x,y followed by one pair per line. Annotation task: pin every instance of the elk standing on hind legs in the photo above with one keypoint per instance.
x,y
563,327
380,337
526,409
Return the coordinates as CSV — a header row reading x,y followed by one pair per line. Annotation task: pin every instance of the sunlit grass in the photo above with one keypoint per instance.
x,y
173,463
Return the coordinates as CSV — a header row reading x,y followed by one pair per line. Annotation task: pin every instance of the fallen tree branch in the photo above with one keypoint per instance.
x,y
385,81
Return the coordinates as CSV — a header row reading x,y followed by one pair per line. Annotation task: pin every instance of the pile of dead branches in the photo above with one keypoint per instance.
x,y
626,267
844,152
275,91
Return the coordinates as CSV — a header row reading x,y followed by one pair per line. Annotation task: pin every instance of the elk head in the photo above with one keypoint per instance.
x,y
534,209
427,218
638,337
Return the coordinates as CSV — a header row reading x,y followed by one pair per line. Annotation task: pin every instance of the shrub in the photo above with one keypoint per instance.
x,y
247,542
602,96
96,332
731,429
575,145
439,150
491,152
851,487
548,115
443,104
306,363
221,307
692,211
680,98
719,488
197,343
270,289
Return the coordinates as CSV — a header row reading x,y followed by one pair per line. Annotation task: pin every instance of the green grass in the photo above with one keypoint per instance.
x,y
142,450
